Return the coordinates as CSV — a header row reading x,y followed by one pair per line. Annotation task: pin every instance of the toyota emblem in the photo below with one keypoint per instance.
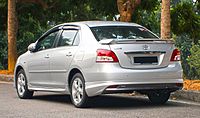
x,y
146,47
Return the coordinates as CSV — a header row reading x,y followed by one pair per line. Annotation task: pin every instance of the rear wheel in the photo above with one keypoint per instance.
x,y
160,97
21,86
78,95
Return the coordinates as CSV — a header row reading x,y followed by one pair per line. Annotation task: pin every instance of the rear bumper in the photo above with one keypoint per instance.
x,y
111,78
170,87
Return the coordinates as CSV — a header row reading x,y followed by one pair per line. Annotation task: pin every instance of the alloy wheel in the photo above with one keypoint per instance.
x,y
21,84
77,90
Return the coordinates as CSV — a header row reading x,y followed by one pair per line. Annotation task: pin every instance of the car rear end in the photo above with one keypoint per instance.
x,y
127,62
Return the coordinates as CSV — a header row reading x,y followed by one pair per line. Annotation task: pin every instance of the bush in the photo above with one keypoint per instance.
x,y
190,56
3,50
194,60
183,42
28,34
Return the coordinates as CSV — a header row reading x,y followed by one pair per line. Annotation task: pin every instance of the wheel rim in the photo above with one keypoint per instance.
x,y
21,84
77,90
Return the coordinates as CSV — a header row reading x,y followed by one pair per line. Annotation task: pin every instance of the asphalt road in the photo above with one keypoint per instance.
x,y
52,105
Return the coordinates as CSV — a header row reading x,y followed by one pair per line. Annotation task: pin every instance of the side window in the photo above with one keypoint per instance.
x,y
67,38
77,39
47,42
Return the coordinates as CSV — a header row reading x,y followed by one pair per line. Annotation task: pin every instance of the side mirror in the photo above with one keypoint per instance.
x,y
31,47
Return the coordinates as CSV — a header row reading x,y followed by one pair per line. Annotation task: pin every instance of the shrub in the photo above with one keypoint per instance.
x,y
190,56
194,60
3,50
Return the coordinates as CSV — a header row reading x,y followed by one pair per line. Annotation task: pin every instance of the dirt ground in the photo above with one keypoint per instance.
x,y
6,72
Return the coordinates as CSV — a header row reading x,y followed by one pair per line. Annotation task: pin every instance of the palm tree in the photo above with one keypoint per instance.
x,y
12,34
126,9
13,28
165,20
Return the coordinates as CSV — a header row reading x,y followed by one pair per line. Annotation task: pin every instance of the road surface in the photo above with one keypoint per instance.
x,y
53,105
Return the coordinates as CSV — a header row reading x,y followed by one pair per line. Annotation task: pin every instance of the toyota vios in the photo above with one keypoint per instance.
x,y
91,58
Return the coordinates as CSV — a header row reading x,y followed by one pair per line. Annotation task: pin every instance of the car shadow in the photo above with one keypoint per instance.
x,y
124,102
109,101
52,97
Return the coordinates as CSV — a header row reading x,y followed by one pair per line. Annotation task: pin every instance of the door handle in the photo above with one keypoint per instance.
x,y
47,56
69,54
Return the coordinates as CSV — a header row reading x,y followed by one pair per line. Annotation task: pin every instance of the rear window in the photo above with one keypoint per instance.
x,y
121,32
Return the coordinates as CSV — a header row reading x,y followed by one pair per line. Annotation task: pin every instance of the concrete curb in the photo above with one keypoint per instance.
x,y
187,95
6,78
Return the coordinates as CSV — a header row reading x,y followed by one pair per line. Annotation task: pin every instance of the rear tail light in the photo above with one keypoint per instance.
x,y
176,55
106,56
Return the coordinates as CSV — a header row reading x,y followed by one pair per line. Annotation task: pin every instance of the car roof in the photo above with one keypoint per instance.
x,y
91,24
102,23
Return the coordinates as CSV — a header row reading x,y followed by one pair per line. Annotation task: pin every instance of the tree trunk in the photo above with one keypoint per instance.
x,y
165,20
126,9
12,34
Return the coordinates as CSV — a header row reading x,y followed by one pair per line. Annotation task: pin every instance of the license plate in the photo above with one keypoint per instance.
x,y
146,60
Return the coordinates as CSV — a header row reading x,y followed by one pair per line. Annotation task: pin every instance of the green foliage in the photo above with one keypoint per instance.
x,y
3,50
106,8
3,36
185,24
3,16
185,20
194,60
190,56
148,15
28,33
184,43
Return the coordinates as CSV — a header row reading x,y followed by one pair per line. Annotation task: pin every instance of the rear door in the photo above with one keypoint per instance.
x,y
62,55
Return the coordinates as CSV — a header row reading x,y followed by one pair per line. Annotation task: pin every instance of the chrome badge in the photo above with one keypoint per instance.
x,y
146,47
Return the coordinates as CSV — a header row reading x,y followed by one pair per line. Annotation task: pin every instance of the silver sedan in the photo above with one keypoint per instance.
x,y
86,59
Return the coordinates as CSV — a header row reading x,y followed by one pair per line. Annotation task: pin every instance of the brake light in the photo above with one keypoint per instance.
x,y
106,56
176,55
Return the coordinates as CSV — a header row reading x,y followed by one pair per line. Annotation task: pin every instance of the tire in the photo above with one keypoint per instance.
x,y
78,95
160,97
21,86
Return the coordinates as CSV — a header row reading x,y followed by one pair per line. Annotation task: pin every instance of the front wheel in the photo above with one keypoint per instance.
x,y
160,97
21,86
78,95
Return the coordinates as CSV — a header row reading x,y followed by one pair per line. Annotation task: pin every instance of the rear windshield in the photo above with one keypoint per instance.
x,y
121,32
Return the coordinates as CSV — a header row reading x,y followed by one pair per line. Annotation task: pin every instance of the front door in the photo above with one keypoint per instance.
x,y
38,64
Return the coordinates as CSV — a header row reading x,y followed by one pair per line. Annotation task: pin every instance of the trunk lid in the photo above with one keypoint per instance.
x,y
141,54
